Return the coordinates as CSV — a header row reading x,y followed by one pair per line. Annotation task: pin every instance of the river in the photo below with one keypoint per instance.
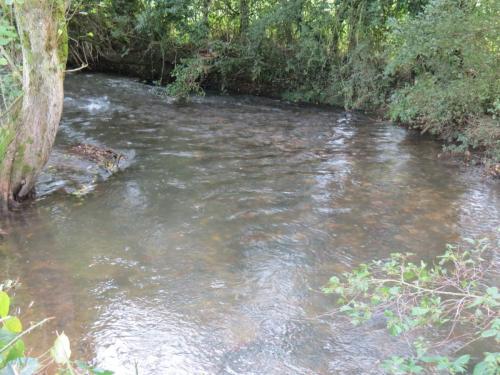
x,y
206,254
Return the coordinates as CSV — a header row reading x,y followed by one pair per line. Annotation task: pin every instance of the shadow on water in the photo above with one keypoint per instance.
x,y
206,255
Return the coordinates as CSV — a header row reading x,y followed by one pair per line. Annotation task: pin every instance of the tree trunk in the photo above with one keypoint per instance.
x,y
244,17
206,12
33,122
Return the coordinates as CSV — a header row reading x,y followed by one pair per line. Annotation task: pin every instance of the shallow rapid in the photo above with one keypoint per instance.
x,y
206,254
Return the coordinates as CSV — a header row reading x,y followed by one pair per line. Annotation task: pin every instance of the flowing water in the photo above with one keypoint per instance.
x,y
206,254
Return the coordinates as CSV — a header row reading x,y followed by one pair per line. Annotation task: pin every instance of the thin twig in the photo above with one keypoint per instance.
x,y
77,69
432,291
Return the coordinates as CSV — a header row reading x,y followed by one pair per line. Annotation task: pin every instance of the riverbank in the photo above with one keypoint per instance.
x,y
399,59
482,157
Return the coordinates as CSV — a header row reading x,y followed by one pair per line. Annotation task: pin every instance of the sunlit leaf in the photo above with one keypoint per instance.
x,y
61,351
21,366
16,351
4,304
6,337
97,371
13,324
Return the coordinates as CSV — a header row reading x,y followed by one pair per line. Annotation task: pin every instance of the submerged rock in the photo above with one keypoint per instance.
x,y
78,168
104,157
494,170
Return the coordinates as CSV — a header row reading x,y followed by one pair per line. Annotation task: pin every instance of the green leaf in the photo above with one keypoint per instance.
x,y
490,333
81,365
334,280
394,291
493,292
413,368
61,351
13,324
431,359
459,364
97,371
6,337
409,275
16,351
419,311
4,304
395,329
489,366
477,301
21,366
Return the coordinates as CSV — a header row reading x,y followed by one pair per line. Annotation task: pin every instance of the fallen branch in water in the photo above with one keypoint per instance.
x,y
77,69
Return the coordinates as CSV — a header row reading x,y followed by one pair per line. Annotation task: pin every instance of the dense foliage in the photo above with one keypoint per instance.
x,y
454,296
452,55
432,64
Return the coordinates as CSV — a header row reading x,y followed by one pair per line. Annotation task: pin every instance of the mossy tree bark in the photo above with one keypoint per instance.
x,y
32,124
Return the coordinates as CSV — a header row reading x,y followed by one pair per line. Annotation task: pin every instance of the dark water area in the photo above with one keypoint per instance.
x,y
206,254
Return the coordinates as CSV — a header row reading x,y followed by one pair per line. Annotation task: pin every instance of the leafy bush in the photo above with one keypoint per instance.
x,y
188,78
450,53
453,294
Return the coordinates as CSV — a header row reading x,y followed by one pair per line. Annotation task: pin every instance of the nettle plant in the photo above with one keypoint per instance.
x,y
14,358
454,296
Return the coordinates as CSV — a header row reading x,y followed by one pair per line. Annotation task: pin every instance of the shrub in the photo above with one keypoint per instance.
x,y
454,293
447,62
189,76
